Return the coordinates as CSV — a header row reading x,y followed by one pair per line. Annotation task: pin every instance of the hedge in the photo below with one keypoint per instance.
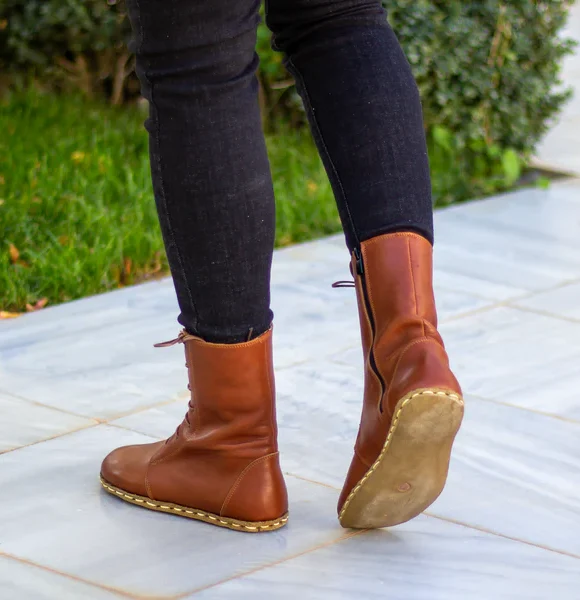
x,y
488,73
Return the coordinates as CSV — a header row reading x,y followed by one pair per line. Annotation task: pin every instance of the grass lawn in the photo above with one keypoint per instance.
x,y
76,208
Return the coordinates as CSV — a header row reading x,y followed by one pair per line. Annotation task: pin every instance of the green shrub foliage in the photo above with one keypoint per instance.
x,y
487,71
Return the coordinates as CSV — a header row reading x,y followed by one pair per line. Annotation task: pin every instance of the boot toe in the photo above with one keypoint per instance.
x,y
126,467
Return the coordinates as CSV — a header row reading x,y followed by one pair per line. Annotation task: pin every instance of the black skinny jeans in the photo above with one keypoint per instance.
x,y
196,62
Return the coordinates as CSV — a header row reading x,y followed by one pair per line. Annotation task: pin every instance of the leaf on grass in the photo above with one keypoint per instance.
x,y
127,265
78,156
39,305
4,314
14,253
312,186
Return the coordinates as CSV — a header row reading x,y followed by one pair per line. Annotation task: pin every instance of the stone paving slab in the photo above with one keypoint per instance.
x,y
79,379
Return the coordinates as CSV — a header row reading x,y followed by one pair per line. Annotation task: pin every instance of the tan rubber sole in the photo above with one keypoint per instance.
x,y
411,470
192,513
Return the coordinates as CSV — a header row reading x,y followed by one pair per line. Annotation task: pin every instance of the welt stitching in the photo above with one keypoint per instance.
x,y
240,478
197,513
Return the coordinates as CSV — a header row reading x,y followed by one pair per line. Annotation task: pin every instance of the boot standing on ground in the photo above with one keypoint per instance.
x,y
196,62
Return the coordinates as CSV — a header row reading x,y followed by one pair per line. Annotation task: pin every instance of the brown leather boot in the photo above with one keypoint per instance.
x,y
221,465
412,406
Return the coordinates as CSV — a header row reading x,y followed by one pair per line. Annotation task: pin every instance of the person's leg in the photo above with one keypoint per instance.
x,y
196,62
364,110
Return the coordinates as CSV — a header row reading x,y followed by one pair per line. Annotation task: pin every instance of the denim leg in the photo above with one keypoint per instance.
x,y
364,110
196,62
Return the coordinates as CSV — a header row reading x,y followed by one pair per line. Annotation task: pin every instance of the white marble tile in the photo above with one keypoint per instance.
x,y
88,316
472,247
158,422
426,559
23,422
20,581
562,301
110,372
547,217
516,472
54,513
519,357
509,245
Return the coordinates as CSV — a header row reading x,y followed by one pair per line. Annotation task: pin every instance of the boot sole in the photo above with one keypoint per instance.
x,y
193,513
411,470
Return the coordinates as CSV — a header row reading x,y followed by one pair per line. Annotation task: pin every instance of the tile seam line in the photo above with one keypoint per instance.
x,y
49,439
99,420
503,535
525,295
92,426
42,405
525,408
543,313
268,565
45,568
459,523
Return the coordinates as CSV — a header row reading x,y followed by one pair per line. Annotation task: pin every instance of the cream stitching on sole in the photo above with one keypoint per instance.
x,y
455,397
197,513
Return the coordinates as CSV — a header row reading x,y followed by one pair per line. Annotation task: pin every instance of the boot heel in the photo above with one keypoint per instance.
x,y
411,470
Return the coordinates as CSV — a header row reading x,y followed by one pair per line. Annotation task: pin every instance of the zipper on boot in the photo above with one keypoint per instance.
x,y
361,273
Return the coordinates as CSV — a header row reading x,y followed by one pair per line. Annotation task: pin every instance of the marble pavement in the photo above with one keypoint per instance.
x,y
79,379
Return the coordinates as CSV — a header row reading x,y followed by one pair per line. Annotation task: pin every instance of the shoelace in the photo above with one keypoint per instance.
x,y
343,284
180,339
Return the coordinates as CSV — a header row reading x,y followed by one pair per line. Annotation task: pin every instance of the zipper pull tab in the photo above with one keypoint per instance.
x,y
359,261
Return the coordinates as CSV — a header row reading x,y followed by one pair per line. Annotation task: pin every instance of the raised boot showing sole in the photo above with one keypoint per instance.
x,y
221,465
413,406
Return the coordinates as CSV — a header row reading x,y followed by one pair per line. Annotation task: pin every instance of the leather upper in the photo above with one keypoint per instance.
x,y
397,288
223,458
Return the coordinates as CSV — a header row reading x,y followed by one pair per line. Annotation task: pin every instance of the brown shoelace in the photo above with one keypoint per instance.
x,y
183,337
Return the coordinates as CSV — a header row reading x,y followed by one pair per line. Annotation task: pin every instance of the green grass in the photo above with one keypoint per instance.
x,y
77,214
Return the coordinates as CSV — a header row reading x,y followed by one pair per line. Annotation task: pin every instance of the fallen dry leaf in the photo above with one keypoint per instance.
x,y
13,252
4,314
127,264
37,305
